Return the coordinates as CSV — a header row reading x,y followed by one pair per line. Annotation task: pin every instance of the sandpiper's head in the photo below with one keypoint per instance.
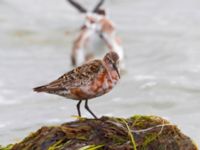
x,y
112,60
112,57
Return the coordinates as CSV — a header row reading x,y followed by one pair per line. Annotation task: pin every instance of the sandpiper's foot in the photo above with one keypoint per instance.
x,y
78,108
88,109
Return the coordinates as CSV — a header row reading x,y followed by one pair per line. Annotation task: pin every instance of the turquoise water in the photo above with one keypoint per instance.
x,y
161,41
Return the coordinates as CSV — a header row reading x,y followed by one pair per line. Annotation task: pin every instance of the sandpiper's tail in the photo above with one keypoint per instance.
x,y
40,89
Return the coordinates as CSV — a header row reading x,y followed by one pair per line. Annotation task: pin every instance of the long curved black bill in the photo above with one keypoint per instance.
x,y
115,67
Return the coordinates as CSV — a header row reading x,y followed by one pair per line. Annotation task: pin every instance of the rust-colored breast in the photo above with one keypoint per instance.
x,y
78,94
97,85
104,83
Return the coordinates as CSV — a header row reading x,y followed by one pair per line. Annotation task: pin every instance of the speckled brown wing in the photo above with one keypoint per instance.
x,y
79,76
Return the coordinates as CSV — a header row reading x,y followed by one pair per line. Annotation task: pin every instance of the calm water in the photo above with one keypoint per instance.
x,y
162,45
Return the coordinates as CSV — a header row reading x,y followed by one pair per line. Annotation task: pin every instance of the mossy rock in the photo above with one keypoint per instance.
x,y
106,133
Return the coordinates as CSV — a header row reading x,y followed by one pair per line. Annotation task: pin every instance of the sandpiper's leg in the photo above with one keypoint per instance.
x,y
88,109
78,108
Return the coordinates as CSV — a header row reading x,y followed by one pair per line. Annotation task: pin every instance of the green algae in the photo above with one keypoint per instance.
x,y
8,147
56,146
91,147
148,139
109,133
130,135
142,122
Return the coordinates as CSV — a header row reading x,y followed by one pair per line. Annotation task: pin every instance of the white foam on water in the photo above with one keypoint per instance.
x,y
108,114
53,120
4,101
4,125
116,99
148,85
144,77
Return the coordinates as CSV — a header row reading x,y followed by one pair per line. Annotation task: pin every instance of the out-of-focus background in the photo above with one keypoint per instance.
x,y
162,45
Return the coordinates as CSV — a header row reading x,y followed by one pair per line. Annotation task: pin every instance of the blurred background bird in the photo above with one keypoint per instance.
x,y
96,37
